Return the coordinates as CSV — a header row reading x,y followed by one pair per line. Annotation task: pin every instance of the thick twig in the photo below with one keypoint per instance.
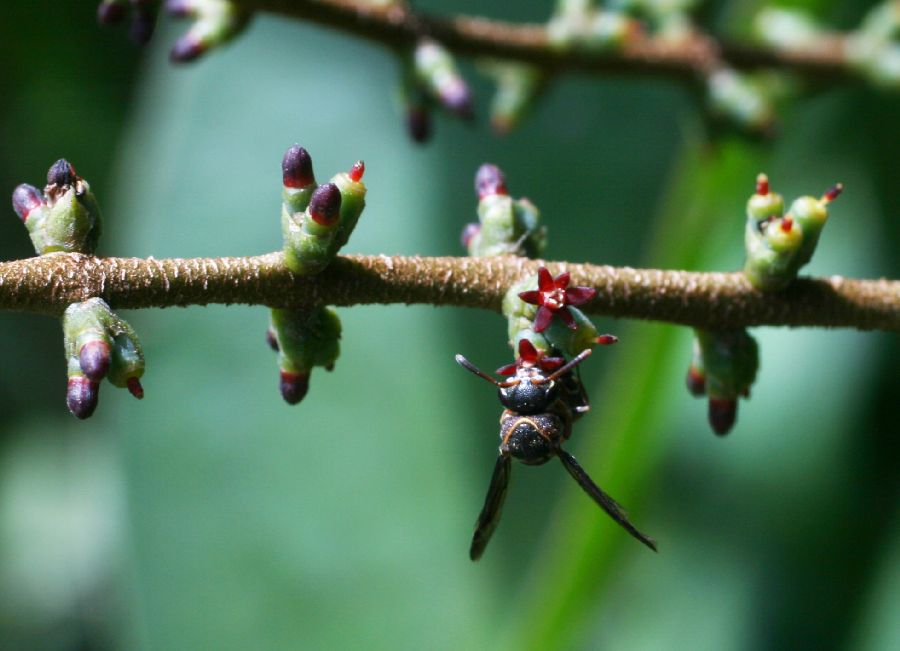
x,y
480,37
710,300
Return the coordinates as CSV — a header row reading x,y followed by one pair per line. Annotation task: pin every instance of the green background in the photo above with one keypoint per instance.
x,y
213,515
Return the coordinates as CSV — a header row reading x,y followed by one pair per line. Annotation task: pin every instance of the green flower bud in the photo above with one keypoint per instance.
x,y
725,365
304,339
508,227
215,23
764,204
518,86
298,179
98,344
771,253
309,236
811,214
787,29
437,73
66,218
741,99
353,200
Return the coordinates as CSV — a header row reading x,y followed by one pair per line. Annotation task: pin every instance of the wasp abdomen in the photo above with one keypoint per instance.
x,y
530,439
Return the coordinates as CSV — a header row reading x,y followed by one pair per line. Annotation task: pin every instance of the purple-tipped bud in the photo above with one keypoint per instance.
x,y
297,168
696,382
94,359
81,396
469,231
418,124
722,414
143,23
186,49
489,180
294,386
272,340
456,98
110,13
61,173
179,8
325,205
26,198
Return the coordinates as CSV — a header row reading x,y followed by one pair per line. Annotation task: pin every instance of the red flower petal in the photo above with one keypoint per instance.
x,y
509,369
552,363
543,318
567,318
580,295
533,297
545,280
606,340
527,352
562,280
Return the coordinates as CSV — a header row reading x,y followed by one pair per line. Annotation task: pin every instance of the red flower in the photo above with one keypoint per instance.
x,y
553,296
530,356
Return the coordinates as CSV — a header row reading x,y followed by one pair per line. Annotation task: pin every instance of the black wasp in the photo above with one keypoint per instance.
x,y
542,398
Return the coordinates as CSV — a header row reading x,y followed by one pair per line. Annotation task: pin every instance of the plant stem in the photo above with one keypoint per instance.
x,y
49,283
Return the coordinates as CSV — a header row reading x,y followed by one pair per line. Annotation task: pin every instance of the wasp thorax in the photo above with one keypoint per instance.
x,y
530,439
526,397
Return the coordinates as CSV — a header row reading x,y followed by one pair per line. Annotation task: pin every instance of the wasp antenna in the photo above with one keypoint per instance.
x,y
469,366
572,363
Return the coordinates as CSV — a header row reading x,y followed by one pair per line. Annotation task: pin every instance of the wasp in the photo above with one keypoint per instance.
x,y
542,397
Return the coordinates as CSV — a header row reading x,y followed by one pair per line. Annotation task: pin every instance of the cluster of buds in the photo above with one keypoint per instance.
x,y
303,339
778,244
506,226
143,16
99,344
316,221
723,368
518,87
215,22
64,217
581,25
431,77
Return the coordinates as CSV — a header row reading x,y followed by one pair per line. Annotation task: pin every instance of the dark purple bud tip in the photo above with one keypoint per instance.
x,y
61,173
110,13
94,359
418,124
134,387
469,231
457,99
489,180
297,168
294,386
325,205
696,382
722,414
142,25
272,340
81,396
186,49
25,199
178,8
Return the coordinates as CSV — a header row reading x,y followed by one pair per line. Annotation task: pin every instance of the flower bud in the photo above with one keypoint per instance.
x,y
764,204
82,396
436,71
215,22
722,414
61,173
25,199
94,359
293,386
325,205
489,179
306,338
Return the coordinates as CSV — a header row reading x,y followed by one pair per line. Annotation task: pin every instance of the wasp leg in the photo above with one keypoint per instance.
x,y
608,504
493,504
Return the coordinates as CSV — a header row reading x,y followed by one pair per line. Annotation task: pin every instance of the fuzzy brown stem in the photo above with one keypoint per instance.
x,y
49,283
400,27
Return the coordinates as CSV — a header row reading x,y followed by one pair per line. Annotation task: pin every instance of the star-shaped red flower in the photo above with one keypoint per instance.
x,y
553,296
531,356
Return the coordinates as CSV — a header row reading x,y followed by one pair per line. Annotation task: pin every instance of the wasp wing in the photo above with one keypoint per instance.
x,y
608,504
493,504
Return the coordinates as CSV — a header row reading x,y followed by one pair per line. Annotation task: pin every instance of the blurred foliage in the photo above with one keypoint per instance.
x,y
212,515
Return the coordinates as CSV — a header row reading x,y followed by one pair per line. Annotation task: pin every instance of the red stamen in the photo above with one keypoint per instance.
x,y
135,388
762,184
833,193
787,224
357,171
606,340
